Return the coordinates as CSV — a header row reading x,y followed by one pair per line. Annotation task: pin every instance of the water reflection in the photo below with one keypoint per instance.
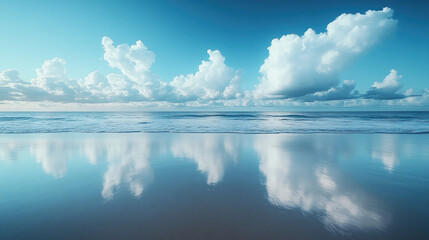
x,y
9,150
127,158
51,155
128,162
211,152
301,172
386,150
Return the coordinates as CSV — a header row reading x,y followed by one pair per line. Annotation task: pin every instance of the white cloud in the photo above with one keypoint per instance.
x,y
134,62
213,80
51,77
413,99
111,88
8,80
299,71
51,83
387,89
300,65
9,77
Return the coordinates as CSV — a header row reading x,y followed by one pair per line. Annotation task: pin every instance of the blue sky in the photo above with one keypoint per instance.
x,y
179,33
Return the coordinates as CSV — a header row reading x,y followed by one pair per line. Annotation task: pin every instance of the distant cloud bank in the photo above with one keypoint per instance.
x,y
299,70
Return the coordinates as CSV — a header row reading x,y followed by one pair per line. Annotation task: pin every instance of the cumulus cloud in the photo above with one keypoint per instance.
x,y
51,83
8,80
114,87
134,62
300,65
51,77
136,82
299,71
387,89
9,77
213,80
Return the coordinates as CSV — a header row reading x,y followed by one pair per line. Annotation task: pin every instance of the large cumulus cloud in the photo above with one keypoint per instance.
x,y
135,82
133,61
300,65
213,80
299,71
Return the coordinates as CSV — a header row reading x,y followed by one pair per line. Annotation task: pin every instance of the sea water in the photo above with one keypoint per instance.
x,y
220,122
194,175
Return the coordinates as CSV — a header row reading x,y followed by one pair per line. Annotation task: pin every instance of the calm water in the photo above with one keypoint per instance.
x,y
213,185
215,122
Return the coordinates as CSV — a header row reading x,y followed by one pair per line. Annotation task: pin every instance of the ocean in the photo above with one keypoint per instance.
x,y
214,175
215,122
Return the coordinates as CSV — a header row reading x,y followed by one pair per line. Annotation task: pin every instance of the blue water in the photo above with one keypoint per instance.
x,y
213,186
215,122
195,175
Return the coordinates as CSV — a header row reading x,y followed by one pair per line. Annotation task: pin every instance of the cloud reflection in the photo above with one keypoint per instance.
x,y
51,155
301,173
128,162
211,152
385,149
127,157
300,170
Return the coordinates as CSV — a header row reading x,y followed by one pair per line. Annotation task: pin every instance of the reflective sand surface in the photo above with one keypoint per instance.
x,y
214,186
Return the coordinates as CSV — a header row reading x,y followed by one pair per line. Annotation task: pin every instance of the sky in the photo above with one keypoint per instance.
x,y
83,55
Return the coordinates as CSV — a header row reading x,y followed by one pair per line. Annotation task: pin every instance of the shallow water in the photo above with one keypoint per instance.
x,y
214,186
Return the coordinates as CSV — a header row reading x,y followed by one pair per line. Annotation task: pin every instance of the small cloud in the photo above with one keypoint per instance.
x,y
9,77
387,89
